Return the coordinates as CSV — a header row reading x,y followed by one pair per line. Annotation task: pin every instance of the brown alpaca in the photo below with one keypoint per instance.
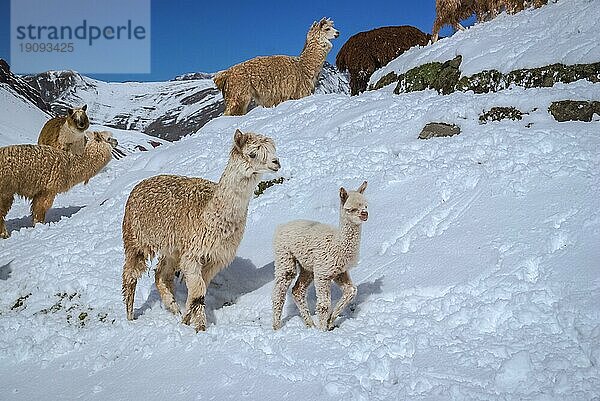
x,y
40,172
366,52
451,12
195,225
66,132
274,79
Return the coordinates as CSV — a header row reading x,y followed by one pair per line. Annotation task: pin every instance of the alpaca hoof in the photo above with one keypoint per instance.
x,y
200,328
276,326
4,235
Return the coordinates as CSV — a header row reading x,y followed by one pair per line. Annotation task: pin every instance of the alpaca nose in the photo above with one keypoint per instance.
x,y
364,215
276,164
337,33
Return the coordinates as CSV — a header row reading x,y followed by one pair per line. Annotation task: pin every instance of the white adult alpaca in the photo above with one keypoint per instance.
x,y
323,253
194,224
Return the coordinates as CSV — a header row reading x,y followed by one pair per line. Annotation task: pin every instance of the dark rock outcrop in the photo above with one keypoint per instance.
x,y
500,113
439,130
22,87
441,77
574,110
445,77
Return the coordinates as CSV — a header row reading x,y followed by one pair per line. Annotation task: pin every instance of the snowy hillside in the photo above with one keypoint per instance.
x,y
21,122
167,110
556,33
479,275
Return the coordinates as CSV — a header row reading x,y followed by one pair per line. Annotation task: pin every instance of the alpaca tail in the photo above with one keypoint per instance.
x,y
220,79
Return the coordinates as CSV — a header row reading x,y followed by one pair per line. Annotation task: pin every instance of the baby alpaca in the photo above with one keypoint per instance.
x,y
66,132
274,79
323,253
40,172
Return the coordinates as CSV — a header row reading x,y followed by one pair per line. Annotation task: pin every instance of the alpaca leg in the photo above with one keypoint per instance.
x,y
209,271
195,305
5,205
237,105
163,278
435,31
323,287
285,271
135,265
40,205
348,294
299,294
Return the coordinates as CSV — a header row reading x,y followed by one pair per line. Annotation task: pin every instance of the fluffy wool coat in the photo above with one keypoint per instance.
x,y
323,253
192,224
40,172
271,80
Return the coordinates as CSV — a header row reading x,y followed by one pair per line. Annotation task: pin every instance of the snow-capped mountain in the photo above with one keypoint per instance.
x,y
21,120
19,86
478,277
167,110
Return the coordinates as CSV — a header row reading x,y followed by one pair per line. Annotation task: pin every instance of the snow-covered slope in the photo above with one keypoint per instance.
x,y
167,110
556,33
478,278
21,122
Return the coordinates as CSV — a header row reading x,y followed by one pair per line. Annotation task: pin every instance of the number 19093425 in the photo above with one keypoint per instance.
x,y
34,47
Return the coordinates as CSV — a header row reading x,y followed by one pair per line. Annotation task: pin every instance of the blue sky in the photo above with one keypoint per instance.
x,y
191,35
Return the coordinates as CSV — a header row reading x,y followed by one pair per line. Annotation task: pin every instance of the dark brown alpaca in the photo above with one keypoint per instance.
x,y
368,51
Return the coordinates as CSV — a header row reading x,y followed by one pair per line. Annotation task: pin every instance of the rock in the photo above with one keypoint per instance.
x,y
573,110
439,130
441,77
387,79
500,113
445,77
22,87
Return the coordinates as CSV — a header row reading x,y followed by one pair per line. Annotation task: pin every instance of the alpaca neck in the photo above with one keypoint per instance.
x,y
85,166
347,240
234,190
312,58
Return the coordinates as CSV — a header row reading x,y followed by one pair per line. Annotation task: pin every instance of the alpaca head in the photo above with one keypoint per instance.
x,y
78,118
99,140
354,204
322,31
255,153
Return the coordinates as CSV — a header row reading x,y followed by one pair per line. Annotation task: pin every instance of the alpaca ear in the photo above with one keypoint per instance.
x,y
84,108
240,139
322,22
70,111
362,187
343,195
98,136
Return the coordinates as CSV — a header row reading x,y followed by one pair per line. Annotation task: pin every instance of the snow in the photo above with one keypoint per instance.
x,y
21,122
478,276
559,32
20,119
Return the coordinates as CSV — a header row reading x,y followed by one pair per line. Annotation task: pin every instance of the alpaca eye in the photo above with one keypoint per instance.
x,y
252,155
353,210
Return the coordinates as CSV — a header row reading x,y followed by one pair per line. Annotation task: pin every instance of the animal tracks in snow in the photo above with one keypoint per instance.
x,y
433,220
